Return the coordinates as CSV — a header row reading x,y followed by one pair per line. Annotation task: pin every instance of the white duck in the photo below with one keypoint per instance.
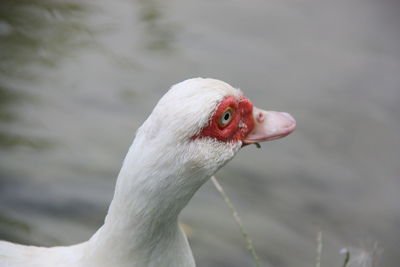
x,y
196,128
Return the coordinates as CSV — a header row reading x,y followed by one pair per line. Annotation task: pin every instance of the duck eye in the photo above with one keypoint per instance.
x,y
225,118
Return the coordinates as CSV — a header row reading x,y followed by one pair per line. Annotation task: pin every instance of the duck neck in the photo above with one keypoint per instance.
x,y
151,191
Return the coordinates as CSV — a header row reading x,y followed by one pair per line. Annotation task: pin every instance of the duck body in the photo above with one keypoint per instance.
x,y
176,253
195,129
15,255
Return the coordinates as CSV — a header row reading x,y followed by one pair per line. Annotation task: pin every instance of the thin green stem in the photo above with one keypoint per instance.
x,y
249,242
319,249
346,258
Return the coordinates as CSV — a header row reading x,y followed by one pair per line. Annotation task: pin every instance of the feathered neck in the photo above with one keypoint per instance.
x,y
160,174
152,188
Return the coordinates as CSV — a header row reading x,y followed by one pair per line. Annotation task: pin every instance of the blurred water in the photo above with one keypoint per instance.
x,y
78,77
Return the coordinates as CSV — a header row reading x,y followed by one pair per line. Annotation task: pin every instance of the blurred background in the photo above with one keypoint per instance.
x,y
77,78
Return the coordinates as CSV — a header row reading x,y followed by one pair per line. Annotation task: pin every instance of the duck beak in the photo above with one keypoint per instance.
x,y
269,125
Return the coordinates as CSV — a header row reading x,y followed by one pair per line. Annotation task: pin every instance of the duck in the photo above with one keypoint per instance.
x,y
198,126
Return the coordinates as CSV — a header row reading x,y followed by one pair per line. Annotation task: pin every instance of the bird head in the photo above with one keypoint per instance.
x,y
205,122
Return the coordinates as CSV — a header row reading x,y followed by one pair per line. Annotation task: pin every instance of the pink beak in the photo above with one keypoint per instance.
x,y
269,125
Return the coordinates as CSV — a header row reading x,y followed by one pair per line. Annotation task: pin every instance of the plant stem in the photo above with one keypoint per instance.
x,y
319,249
346,258
238,221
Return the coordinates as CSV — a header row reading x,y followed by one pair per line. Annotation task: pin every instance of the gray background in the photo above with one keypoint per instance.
x,y
78,78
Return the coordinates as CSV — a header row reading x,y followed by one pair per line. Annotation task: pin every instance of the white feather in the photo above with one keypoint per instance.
x,y
164,167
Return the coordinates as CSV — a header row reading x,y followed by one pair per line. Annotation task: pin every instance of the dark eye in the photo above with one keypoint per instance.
x,y
225,118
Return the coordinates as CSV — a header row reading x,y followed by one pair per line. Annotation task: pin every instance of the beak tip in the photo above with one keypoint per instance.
x,y
289,117
270,125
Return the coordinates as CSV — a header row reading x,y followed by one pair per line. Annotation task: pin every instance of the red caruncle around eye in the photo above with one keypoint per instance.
x,y
232,121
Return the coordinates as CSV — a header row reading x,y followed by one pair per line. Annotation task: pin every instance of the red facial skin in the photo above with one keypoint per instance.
x,y
241,124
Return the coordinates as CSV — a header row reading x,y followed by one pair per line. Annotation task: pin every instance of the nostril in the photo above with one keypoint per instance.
x,y
260,117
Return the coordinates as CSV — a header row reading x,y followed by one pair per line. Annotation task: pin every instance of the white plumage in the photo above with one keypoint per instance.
x,y
166,164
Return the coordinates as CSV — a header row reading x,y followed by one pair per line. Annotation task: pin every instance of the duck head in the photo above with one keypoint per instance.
x,y
205,122
195,128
